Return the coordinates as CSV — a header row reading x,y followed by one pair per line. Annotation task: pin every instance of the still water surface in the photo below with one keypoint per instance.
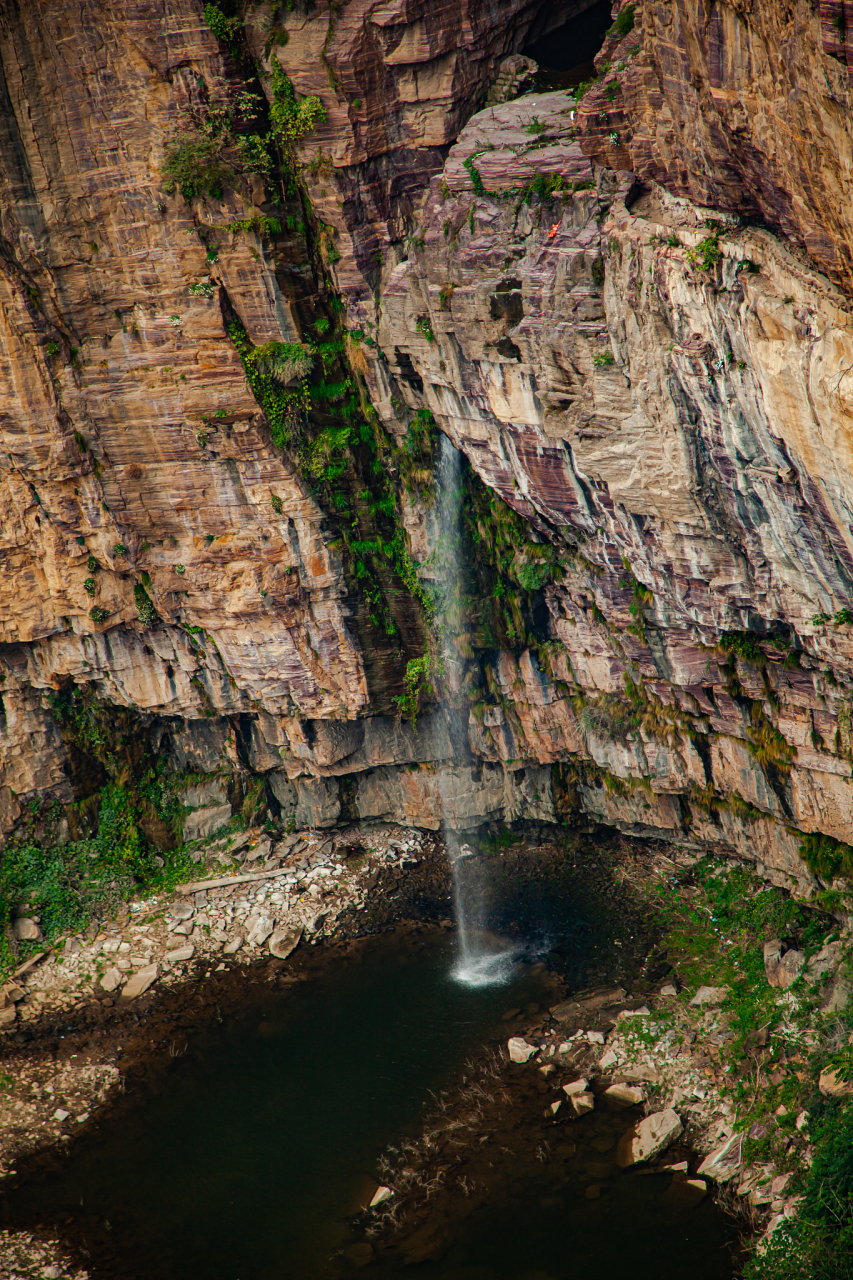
x,y
246,1160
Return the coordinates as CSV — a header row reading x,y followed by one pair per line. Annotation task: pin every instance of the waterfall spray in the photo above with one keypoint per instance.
x,y
482,958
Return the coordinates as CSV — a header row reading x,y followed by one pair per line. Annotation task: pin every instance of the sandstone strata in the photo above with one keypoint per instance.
x,y
673,424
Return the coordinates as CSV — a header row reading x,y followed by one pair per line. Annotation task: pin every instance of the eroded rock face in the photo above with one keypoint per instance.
x,y
643,407
700,96
662,391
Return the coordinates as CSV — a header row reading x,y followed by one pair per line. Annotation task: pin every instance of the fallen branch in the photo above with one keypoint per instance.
x,y
198,885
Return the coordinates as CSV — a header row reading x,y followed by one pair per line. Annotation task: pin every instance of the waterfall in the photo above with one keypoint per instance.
x,y
482,959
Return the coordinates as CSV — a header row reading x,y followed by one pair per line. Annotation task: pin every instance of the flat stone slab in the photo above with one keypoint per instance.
x,y
622,1096
140,982
283,942
710,995
646,1139
724,1162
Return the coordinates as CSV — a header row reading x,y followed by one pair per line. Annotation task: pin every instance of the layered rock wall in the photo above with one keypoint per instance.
x,y
578,295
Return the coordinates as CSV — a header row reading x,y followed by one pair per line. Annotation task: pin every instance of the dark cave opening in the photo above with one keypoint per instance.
x,y
565,52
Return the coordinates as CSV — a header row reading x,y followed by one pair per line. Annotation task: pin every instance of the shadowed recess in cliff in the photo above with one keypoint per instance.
x,y
565,53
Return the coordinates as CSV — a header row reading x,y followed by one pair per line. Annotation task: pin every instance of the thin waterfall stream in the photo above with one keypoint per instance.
x,y
483,959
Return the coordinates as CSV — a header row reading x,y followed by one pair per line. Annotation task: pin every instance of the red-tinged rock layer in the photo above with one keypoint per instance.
x,y
741,106
398,80
664,420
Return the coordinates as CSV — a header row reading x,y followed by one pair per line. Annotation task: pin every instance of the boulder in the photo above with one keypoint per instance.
x,y
283,941
259,929
26,929
140,981
724,1162
647,1138
782,965
588,1002
202,823
621,1096
837,995
831,1084
577,1086
710,995
261,850
519,1050
111,979
825,961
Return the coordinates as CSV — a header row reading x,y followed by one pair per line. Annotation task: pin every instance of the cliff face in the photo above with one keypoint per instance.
x,y
656,388
741,106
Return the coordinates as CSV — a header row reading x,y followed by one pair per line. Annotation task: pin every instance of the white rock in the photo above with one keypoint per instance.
x,y
259,929
642,1012
231,947
621,1096
710,995
61,1115
179,911
581,1103
577,1086
564,1047
555,1106
595,1037
140,982
519,1050
608,1059
180,954
724,1162
111,979
381,1195
644,1140
825,960
668,990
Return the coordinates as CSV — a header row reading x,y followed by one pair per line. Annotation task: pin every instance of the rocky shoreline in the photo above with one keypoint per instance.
x,y
644,1054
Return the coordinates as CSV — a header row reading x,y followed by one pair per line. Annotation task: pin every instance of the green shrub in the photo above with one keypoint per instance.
x,y
144,608
624,23
826,856
276,504
224,28
259,223
119,549
98,615
602,359
89,586
706,254
477,181
744,644
196,165
817,1244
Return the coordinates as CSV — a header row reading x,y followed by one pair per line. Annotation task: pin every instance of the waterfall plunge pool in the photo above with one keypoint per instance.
x,y
246,1156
